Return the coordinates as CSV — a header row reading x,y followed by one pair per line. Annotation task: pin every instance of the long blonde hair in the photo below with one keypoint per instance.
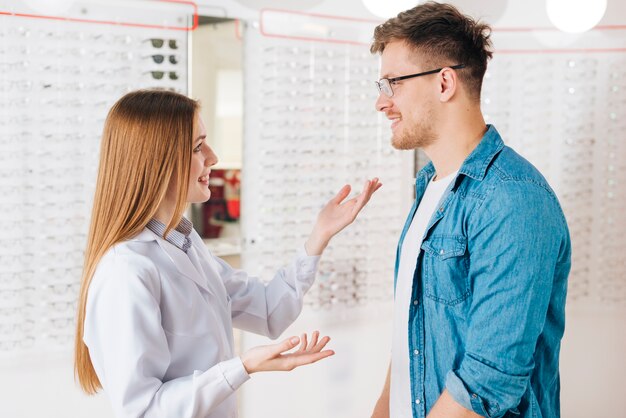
x,y
146,143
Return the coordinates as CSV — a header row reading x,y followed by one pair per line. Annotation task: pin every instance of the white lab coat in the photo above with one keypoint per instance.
x,y
159,324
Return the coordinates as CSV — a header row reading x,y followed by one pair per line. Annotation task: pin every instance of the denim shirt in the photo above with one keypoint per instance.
x,y
488,300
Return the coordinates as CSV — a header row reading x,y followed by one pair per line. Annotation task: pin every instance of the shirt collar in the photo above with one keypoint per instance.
x,y
178,236
475,165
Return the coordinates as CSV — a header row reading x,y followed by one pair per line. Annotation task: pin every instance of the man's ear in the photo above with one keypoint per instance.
x,y
448,84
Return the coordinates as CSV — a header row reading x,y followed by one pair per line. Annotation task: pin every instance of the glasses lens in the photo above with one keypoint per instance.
x,y
378,87
157,75
156,43
173,59
173,44
385,87
173,75
158,58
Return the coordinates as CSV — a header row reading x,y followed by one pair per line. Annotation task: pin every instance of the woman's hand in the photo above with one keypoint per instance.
x,y
336,215
272,358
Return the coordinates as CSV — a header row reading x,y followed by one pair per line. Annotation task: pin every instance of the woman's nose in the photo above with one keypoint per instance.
x,y
211,159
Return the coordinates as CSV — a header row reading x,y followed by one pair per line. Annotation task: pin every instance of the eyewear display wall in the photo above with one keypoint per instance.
x,y
57,82
567,115
311,127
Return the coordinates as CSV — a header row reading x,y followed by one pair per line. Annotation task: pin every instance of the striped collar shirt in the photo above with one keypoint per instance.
x,y
178,236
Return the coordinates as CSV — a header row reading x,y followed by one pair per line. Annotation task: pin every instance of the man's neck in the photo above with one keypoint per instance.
x,y
455,142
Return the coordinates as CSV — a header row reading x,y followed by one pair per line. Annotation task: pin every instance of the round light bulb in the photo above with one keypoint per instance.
x,y
575,16
388,8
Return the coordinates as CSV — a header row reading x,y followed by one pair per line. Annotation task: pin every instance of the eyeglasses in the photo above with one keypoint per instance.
x,y
158,75
158,58
384,84
158,43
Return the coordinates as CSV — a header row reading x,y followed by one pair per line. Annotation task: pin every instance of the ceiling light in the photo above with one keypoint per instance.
x,y
575,16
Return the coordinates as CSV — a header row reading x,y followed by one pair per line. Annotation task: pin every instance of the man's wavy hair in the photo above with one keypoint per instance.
x,y
442,36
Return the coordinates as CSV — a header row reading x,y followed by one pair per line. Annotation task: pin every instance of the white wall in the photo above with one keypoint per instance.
x,y
44,386
593,363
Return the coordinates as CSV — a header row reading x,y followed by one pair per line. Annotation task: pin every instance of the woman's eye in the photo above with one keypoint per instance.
x,y
197,149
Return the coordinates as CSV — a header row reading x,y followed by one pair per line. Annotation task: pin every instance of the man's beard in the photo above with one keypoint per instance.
x,y
419,135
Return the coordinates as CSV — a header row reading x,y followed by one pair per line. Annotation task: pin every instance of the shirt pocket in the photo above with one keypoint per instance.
x,y
445,269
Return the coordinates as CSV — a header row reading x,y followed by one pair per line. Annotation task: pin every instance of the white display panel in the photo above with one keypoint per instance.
x,y
58,79
566,113
310,126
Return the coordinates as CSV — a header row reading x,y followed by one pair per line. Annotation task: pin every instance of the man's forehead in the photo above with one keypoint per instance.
x,y
398,58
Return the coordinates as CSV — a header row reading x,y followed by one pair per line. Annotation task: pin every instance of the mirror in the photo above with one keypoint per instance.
x,y
216,80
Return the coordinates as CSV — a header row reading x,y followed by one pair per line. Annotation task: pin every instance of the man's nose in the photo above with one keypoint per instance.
x,y
382,102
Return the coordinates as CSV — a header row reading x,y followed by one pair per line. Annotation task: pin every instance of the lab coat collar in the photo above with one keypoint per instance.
x,y
197,242
176,255
145,236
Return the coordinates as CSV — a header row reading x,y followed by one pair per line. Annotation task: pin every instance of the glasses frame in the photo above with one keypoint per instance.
x,y
159,42
160,74
383,82
160,58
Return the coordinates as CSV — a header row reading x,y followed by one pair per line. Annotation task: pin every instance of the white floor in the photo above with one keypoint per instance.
x,y
593,365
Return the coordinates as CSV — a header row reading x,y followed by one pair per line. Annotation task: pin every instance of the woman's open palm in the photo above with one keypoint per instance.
x,y
337,214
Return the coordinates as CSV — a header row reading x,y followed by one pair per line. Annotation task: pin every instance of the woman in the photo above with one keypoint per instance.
x,y
156,309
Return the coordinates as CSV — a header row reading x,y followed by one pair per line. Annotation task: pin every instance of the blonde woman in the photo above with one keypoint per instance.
x,y
156,309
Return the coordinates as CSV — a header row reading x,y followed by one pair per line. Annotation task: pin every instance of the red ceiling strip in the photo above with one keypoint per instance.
x,y
269,34
114,23
238,30
323,16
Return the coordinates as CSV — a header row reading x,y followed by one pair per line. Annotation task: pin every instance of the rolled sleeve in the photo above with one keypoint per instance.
x,y
457,389
472,395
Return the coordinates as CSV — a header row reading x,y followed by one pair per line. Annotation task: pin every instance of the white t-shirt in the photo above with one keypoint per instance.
x,y
400,402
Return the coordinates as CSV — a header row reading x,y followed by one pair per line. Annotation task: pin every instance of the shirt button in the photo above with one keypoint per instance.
x,y
474,396
441,209
415,302
417,401
416,352
442,252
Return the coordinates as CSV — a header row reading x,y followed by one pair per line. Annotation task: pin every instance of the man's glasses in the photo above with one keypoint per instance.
x,y
384,84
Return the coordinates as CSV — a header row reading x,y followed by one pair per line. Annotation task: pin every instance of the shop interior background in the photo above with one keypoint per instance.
x,y
288,98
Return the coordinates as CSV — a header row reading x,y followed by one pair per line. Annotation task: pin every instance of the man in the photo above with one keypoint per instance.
x,y
482,262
